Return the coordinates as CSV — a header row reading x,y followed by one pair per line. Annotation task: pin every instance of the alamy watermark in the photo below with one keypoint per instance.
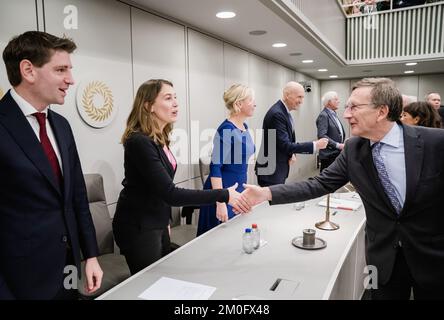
x,y
71,21
371,280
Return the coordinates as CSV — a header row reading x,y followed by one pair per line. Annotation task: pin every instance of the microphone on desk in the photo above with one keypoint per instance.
x,y
327,224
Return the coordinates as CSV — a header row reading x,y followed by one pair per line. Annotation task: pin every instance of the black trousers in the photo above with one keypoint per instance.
x,y
149,245
401,283
325,163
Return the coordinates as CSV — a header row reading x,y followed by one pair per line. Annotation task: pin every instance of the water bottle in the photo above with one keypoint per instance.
x,y
256,236
247,241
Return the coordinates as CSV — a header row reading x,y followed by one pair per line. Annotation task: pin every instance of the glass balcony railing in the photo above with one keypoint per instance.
x,y
396,34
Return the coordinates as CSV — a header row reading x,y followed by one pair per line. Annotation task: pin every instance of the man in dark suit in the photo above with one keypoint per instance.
x,y
331,128
279,141
44,213
398,172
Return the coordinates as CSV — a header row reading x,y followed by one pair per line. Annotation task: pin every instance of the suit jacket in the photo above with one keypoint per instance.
x,y
419,225
277,119
328,128
441,113
149,191
37,218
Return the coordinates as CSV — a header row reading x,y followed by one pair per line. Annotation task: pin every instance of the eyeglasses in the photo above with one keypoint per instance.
x,y
354,107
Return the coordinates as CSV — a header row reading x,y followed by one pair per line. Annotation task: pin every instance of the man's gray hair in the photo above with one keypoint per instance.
x,y
330,95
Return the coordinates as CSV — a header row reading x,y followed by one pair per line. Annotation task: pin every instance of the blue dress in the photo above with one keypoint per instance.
x,y
232,148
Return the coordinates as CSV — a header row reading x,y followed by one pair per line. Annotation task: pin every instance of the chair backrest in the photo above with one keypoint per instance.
x,y
99,212
204,167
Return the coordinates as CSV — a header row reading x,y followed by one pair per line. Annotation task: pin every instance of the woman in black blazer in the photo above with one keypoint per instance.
x,y
141,222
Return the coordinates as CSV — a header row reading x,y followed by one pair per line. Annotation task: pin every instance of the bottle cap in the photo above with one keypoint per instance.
x,y
254,225
247,230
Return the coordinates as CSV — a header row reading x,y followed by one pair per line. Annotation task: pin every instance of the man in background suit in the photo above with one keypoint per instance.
x,y
44,213
331,128
398,172
279,141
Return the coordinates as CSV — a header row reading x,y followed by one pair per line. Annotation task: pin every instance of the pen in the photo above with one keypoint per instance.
x,y
344,208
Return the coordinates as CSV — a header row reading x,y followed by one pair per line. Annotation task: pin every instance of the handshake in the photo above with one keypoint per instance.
x,y
251,196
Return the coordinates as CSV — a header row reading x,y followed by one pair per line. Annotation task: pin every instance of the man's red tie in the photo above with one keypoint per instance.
x,y
47,147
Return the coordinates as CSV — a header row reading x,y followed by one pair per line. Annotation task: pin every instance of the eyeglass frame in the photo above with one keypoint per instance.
x,y
353,107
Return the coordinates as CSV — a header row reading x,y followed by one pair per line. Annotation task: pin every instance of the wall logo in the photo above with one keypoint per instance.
x,y
95,103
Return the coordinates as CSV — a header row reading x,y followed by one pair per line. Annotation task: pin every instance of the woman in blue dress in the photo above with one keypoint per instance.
x,y
232,147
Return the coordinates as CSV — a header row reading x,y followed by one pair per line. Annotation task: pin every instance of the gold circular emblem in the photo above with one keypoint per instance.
x,y
97,113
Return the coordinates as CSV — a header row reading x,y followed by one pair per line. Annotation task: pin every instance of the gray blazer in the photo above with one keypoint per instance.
x,y
328,128
419,227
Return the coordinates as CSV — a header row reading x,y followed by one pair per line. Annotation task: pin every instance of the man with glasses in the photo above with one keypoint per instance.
x,y
398,172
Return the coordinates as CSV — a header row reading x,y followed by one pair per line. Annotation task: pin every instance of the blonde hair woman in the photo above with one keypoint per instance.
x,y
141,222
232,147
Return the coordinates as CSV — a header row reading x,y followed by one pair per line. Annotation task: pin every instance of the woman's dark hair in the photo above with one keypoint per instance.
x,y
428,116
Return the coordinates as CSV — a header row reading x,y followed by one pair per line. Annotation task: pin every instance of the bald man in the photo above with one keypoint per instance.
x,y
279,141
434,99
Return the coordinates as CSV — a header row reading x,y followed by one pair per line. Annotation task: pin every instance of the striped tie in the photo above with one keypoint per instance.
x,y
383,176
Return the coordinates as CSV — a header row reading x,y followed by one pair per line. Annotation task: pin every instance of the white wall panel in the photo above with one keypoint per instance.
x,y
12,26
431,83
258,80
408,85
104,53
206,85
235,65
276,82
159,53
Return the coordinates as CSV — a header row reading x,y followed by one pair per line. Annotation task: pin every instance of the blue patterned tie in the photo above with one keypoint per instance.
x,y
383,176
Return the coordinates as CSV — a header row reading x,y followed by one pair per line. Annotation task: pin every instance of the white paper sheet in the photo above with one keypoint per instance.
x,y
172,289
341,204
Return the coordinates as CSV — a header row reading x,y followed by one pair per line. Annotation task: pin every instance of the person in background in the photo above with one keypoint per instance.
x,y
397,171
434,99
276,155
232,148
371,6
141,221
44,214
397,4
331,128
421,114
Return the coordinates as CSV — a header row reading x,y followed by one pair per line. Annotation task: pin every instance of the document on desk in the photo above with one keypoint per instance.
x,y
341,204
172,289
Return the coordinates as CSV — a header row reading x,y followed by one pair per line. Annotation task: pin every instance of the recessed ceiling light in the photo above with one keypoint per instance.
x,y
409,71
411,63
225,14
333,76
295,54
307,61
322,70
257,32
279,45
